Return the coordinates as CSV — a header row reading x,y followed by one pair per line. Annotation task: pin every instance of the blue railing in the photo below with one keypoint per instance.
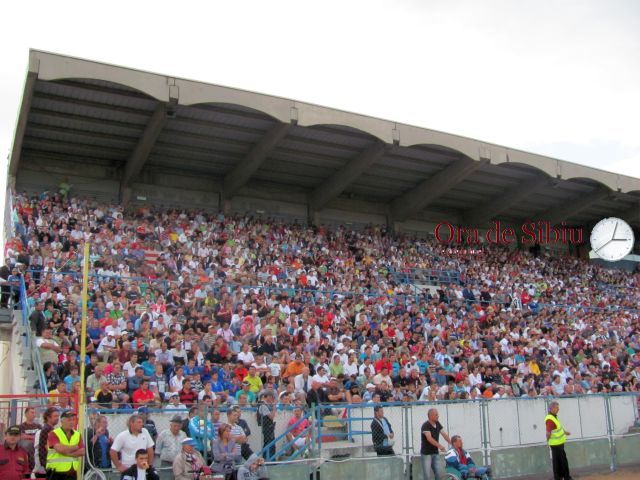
x,y
36,362
314,295
426,275
265,452
77,276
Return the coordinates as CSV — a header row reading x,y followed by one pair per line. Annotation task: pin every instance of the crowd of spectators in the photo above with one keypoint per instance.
x,y
188,306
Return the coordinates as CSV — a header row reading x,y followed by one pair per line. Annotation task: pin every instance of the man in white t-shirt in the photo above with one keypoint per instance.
x,y
128,442
129,368
246,356
321,375
106,347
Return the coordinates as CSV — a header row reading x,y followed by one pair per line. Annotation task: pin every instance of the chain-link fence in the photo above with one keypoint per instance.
x,y
508,434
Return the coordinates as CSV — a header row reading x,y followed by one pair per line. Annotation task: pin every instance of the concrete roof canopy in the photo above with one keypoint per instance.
x,y
123,134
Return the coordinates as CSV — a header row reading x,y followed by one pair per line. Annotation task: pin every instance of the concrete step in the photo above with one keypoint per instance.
x,y
6,315
333,422
345,448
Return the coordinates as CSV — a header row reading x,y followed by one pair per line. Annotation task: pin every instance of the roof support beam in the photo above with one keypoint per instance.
x,y
239,176
489,210
333,186
142,149
21,126
572,207
433,187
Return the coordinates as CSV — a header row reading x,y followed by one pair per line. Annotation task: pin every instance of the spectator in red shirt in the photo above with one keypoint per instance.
x,y
300,432
14,460
187,395
143,396
383,363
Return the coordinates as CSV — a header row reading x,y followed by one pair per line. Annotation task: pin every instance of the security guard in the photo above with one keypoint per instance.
x,y
556,438
65,449
14,460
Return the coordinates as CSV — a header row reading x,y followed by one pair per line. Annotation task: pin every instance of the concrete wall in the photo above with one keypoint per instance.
x,y
628,450
514,462
371,469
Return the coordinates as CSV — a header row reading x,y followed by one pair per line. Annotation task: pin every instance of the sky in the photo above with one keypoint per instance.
x,y
556,78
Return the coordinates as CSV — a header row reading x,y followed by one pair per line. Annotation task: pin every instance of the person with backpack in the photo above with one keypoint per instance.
x,y
266,415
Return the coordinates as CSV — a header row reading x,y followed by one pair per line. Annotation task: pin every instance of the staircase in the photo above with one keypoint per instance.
x,y
335,442
19,375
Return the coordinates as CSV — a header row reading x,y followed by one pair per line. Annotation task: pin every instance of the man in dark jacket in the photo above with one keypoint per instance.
x,y
37,319
143,464
381,433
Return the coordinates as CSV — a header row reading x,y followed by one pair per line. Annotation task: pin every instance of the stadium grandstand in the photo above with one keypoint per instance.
x,y
271,265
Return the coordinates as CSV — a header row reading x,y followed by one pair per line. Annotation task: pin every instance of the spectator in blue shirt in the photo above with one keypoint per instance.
x,y
133,383
72,377
149,366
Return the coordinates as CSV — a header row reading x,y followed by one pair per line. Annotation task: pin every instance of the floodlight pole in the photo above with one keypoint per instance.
x,y
83,347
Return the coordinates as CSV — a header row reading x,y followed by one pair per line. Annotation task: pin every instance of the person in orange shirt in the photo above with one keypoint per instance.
x,y
294,368
488,391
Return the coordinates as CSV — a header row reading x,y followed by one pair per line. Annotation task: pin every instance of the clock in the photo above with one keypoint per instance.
x,y
612,239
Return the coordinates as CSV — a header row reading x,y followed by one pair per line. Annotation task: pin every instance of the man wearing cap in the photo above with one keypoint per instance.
x,y
106,347
188,464
14,460
169,443
245,390
65,449
174,407
368,395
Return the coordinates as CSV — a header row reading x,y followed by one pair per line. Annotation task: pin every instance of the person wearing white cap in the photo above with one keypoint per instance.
x,y
368,394
351,365
189,464
106,347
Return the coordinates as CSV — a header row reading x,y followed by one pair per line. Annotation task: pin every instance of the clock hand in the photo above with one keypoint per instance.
x,y
614,231
602,246
619,240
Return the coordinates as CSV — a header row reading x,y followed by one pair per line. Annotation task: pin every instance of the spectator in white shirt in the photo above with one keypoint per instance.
x,y
321,375
106,347
175,384
128,442
130,367
246,356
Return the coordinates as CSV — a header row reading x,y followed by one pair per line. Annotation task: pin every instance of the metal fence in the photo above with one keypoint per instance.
x,y
341,435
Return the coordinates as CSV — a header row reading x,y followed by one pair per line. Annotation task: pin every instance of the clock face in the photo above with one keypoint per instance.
x,y
612,239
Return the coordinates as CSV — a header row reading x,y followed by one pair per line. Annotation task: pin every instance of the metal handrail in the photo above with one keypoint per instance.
x,y
269,289
36,362
265,450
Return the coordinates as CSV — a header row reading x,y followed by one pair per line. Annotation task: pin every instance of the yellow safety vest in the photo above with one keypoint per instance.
x,y
59,462
558,437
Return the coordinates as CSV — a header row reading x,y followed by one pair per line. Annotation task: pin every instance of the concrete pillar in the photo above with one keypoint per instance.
x,y
225,206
